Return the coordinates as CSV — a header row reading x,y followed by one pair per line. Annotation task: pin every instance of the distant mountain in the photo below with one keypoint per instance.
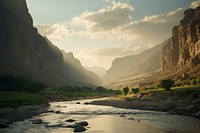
x,y
134,69
181,55
24,52
100,71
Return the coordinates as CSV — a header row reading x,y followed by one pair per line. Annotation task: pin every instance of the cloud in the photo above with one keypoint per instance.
x,y
106,18
55,31
195,4
152,29
115,51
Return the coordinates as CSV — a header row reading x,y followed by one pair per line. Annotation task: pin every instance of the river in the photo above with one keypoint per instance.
x,y
105,119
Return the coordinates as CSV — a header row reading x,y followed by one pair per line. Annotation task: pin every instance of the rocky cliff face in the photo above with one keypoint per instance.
x,y
182,54
23,51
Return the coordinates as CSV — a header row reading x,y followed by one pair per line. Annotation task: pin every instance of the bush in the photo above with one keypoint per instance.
x,y
167,84
125,90
135,90
20,84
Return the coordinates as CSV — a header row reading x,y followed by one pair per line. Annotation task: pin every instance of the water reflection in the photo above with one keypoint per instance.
x,y
104,119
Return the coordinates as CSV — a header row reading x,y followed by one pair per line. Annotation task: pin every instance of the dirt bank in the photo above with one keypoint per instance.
x,y
187,105
9,115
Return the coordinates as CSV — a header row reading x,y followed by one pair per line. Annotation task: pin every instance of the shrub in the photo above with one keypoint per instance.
x,y
125,90
135,90
20,84
167,84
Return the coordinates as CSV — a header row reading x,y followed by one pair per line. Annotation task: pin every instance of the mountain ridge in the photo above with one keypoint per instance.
x,y
24,52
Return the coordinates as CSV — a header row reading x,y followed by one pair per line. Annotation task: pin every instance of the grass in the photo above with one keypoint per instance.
x,y
61,95
15,99
183,91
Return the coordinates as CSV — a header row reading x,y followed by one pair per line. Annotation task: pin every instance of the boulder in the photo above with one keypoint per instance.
x,y
70,120
79,128
167,105
83,123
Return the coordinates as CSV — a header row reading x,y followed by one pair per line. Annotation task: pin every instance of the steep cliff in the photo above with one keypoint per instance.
x,y
77,72
182,54
134,69
23,51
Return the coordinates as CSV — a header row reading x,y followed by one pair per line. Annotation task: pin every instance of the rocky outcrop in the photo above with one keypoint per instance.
x,y
134,69
182,54
24,52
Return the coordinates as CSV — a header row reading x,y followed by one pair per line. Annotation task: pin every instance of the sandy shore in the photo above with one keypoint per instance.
x,y
9,115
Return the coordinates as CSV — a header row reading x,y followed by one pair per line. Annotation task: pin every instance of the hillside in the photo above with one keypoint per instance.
x,y
135,69
24,52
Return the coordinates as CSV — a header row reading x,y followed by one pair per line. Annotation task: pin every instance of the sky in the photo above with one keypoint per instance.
x,y
98,31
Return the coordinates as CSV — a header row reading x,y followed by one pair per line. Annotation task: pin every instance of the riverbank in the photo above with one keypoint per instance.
x,y
179,103
14,114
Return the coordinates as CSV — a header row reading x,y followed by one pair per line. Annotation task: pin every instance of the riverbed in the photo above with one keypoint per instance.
x,y
105,119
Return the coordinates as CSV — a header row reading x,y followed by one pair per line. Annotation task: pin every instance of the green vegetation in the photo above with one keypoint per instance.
x,y
167,84
135,90
20,84
186,88
125,90
14,99
73,93
194,82
16,91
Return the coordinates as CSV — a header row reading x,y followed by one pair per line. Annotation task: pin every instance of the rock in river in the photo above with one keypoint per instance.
x,y
83,123
79,128
70,120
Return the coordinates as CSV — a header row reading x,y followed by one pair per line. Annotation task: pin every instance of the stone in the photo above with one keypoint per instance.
x,y
79,129
122,116
131,118
37,121
57,112
196,101
48,111
197,114
83,123
70,120
78,103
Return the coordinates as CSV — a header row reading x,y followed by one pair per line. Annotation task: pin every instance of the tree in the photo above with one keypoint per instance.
x,y
167,84
135,90
125,90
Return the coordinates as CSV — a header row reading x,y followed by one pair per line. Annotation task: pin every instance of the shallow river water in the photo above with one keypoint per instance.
x,y
105,119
